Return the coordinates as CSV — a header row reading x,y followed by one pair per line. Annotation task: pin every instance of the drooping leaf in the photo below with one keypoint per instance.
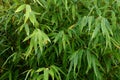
x,y
46,74
20,8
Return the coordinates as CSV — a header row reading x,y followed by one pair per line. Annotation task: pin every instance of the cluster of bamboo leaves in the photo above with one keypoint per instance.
x,y
59,40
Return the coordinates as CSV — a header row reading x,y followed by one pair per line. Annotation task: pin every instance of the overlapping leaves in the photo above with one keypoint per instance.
x,y
79,36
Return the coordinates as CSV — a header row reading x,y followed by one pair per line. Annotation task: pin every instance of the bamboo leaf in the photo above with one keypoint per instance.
x,y
51,72
27,14
83,23
66,4
73,12
46,74
90,20
32,18
95,67
103,27
89,60
20,8
27,29
40,69
39,3
10,75
95,32
28,74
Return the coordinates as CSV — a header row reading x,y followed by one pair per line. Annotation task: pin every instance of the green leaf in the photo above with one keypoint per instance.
x,y
21,27
20,8
73,12
90,20
75,60
32,18
108,26
56,71
39,3
114,20
95,67
66,4
28,74
51,72
58,36
95,32
27,14
103,27
27,29
40,69
8,59
10,75
38,40
30,36
4,76
83,23
46,74
89,60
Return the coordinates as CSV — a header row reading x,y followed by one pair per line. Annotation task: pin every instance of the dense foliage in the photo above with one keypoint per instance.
x,y
59,40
